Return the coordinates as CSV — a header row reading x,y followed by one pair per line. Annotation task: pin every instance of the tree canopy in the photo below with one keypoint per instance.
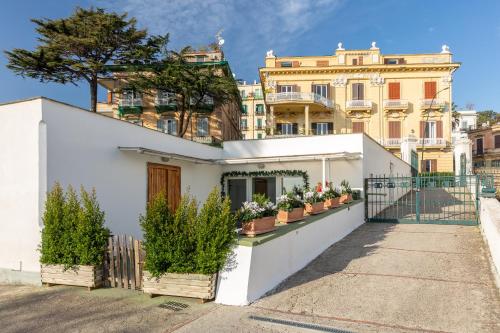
x,y
79,47
191,82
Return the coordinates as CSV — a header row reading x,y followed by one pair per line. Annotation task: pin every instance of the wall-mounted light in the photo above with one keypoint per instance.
x,y
165,159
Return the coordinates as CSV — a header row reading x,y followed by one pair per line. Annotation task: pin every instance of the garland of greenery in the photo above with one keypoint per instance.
x,y
270,173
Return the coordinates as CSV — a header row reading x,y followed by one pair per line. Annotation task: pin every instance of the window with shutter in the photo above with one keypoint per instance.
x,y
360,60
497,141
394,90
295,128
322,63
394,130
430,90
358,91
354,62
439,129
358,127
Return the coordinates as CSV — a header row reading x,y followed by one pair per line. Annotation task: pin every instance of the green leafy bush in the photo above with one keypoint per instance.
x,y
188,241
345,187
74,232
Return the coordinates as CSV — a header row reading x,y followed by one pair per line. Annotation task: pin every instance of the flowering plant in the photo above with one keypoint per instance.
x,y
289,201
345,187
331,192
311,197
256,209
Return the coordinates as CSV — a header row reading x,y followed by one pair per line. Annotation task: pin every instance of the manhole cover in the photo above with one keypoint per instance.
x,y
174,306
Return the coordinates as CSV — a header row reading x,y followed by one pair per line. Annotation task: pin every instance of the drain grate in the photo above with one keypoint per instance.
x,y
174,306
299,324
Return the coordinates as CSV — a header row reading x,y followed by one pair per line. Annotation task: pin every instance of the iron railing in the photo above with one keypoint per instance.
x,y
432,141
392,142
130,102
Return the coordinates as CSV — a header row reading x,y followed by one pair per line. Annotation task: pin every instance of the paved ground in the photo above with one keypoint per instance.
x,y
381,278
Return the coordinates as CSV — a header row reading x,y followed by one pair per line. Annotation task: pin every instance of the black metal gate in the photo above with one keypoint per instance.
x,y
434,199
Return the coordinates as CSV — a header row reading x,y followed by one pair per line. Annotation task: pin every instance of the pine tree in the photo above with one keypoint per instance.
x,y
79,47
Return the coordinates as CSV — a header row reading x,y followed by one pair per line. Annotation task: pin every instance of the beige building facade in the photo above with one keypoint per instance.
x,y
388,97
213,123
253,117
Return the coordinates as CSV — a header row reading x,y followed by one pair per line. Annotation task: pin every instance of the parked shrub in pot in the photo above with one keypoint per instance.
x,y
73,239
314,203
290,208
257,216
346,192
331,197
185,249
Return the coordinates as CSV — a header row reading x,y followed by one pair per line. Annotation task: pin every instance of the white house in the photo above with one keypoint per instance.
x,y
43,141
462,145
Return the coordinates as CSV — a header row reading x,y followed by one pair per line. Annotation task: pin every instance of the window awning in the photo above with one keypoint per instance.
x,y
253,160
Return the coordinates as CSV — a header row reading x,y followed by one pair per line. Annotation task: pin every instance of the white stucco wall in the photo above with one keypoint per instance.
x,y
83,150
261,268
490,227
22,170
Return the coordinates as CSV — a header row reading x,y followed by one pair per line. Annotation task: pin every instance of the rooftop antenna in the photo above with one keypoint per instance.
x,y
220,40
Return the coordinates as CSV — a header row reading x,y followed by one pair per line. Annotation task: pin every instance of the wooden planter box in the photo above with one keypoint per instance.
x,y
83,276
296,214
315,208
332,203
345,198
258,226
179,284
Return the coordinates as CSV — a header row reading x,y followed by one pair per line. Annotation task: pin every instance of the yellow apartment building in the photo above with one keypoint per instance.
x,y
253,117
387,96
158,110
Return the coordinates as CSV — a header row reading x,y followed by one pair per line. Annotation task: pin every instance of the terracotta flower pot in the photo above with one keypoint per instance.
x,y
345,198
332,203
258,226
315,208
296,214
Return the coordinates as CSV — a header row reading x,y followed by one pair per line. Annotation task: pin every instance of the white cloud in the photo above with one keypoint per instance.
x,y
250,27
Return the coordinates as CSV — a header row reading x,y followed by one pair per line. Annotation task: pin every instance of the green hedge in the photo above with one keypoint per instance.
x,y
188,241
74,232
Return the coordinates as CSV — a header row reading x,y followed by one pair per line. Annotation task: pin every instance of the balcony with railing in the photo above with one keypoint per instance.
x,y
395,104
435,104
432,142
298,97
166,102
390,142
359,104
127,106
205,104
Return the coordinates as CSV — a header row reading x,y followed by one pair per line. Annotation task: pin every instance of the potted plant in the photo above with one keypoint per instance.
x,y
331,197
314,202
185,249
290,208
73,239
257,216
346,192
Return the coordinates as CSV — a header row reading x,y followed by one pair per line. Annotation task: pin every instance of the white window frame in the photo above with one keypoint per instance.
x,y
321,128
202,128
286,129
430,131
259,123
321,89
286,88
244,124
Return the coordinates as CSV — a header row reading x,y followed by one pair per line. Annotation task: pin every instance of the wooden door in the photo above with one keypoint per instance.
x,y
167,179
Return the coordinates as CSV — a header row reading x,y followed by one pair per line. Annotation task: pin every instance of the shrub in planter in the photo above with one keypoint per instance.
x,y
346,192
314,203
331,197
290,208
73,238
186,249
257,216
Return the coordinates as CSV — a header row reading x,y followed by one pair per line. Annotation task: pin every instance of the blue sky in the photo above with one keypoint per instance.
x,y
299,27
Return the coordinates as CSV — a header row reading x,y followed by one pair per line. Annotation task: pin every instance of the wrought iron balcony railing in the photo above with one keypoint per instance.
x,y
127,102
307,97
